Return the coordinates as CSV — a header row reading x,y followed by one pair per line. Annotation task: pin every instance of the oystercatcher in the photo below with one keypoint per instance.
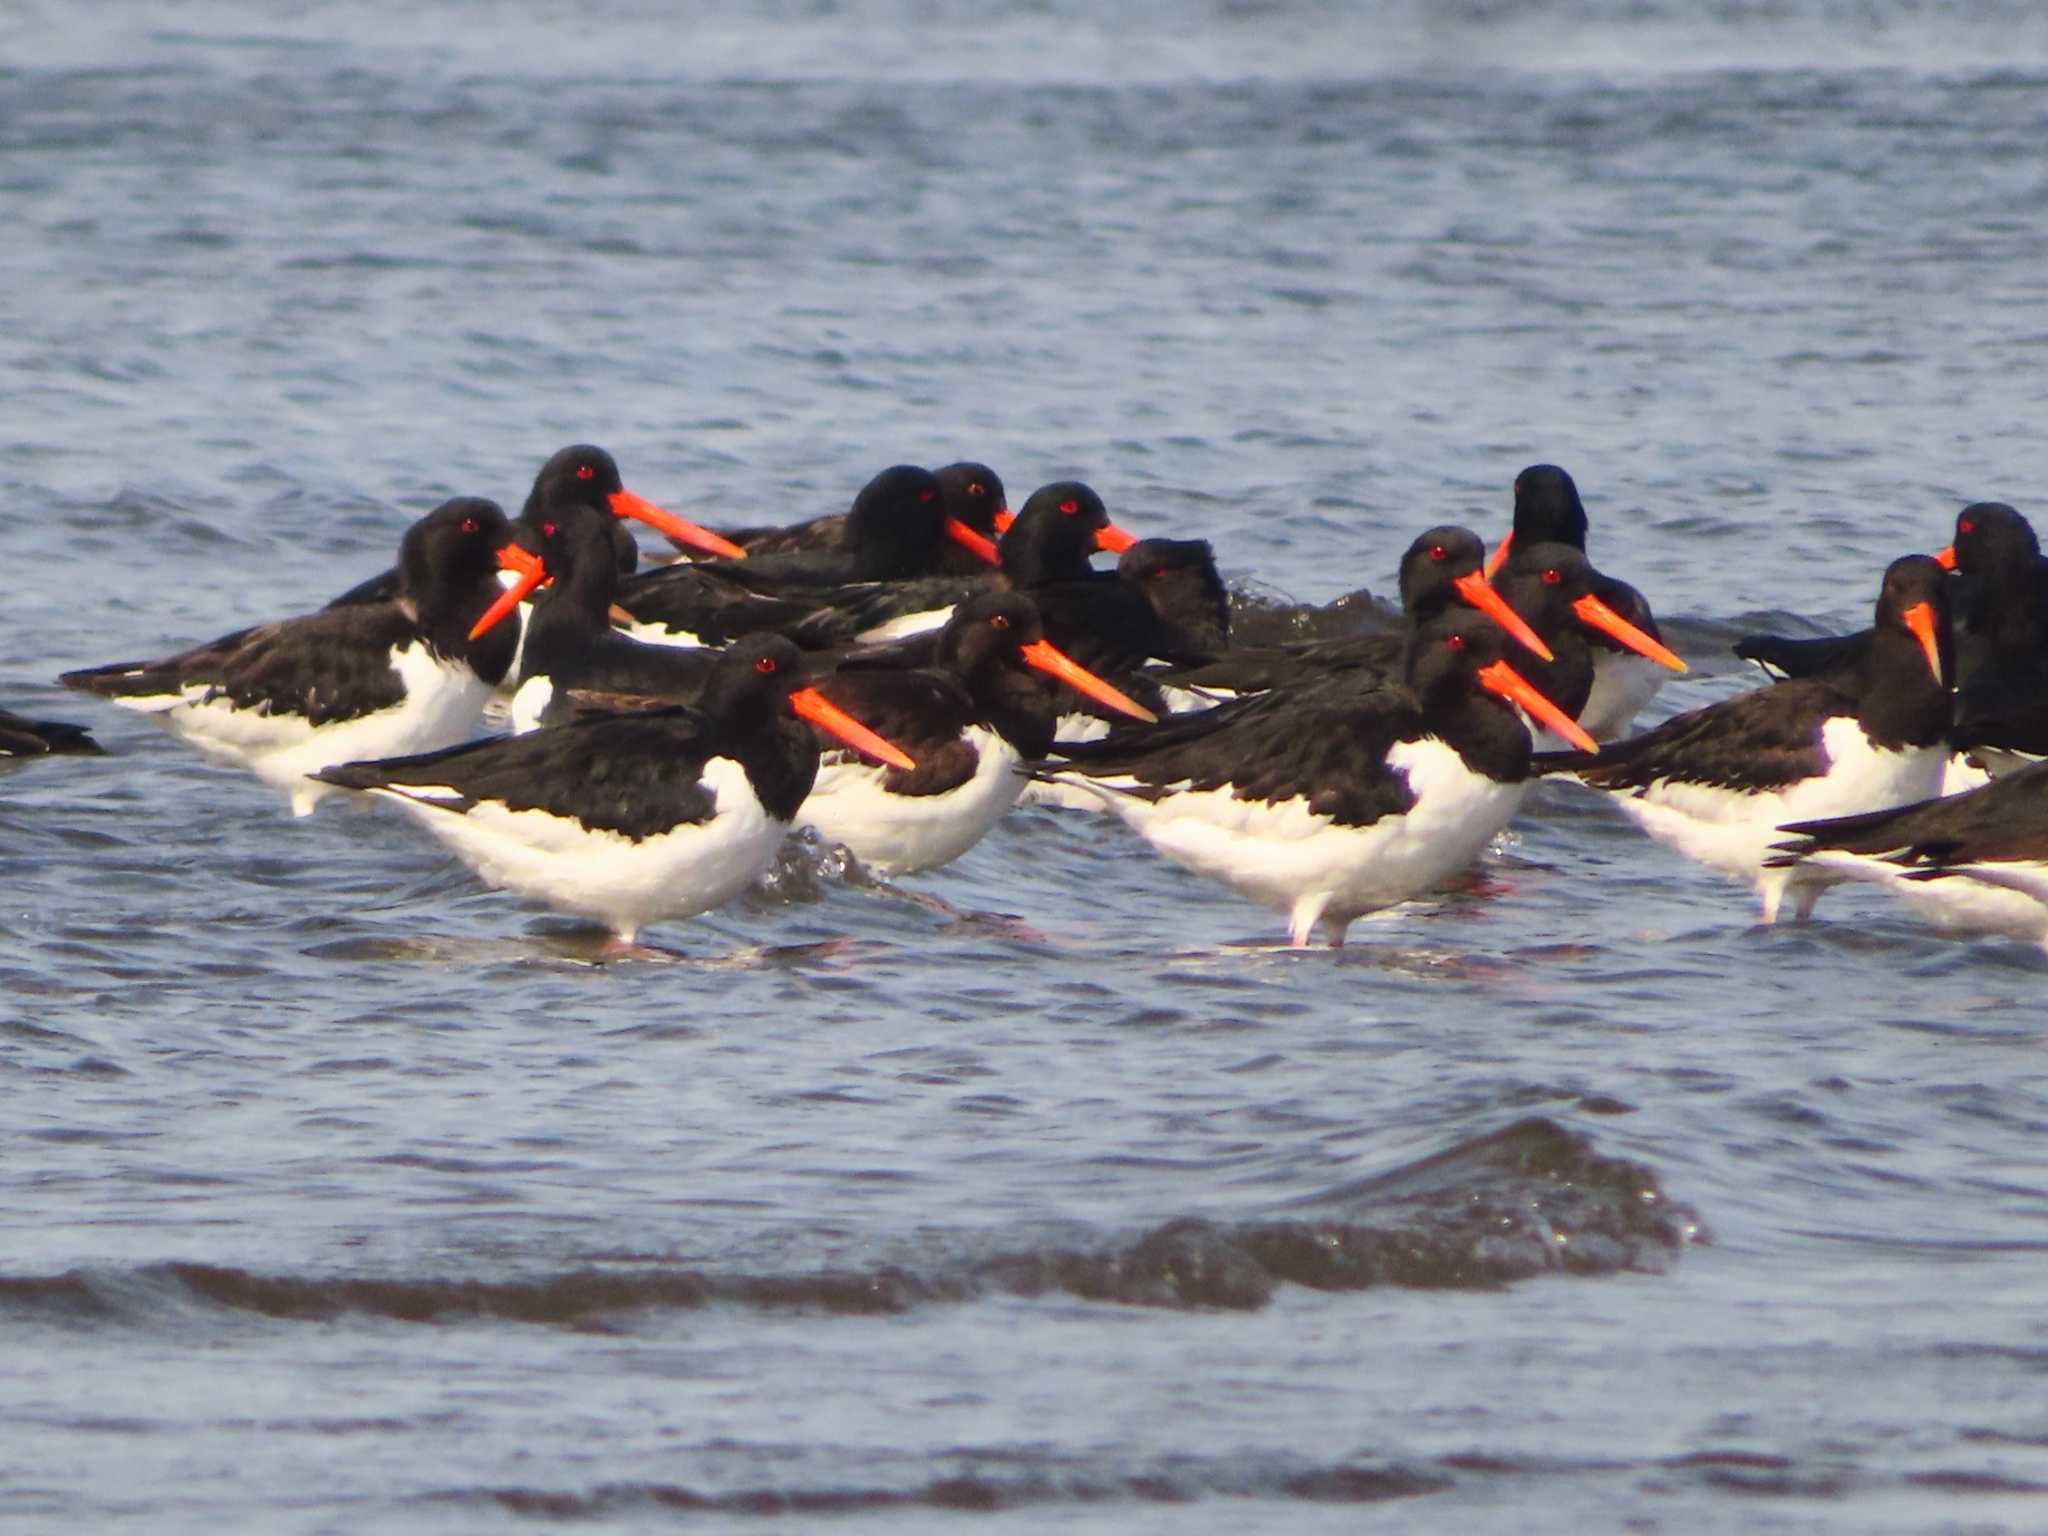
x,y
1548,511
1328,808
632,818
974,498
287,699
1976,861
983,706
1716,783
892,534
1441,567
582,472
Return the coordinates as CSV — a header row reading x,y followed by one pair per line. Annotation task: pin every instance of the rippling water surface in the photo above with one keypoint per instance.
x,y
343,1194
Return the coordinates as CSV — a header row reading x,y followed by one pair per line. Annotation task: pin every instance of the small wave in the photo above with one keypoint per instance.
x,y
1530,1199
982,1492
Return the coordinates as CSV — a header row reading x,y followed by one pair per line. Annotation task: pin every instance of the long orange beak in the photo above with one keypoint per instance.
x,y
1473,589
626,504
1499,557
811,705
1946,558
1114,539
1504,680
967,538
532,573
1920,619
1596,613
1004,518
1054,662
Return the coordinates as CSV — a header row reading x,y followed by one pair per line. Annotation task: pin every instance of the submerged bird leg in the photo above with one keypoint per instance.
x,y
1302,921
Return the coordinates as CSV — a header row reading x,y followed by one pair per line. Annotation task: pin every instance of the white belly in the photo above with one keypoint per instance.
x,y
1733,831
443,706
1283,855
621,882
902,834
1956,904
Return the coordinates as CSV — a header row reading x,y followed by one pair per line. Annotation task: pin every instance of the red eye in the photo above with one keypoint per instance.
x,y
977,489
927,495
547,530
1552,577
1966,526
1070,507
1155,573
1455,642
586,472
765,665
470,525
999,621
1438,552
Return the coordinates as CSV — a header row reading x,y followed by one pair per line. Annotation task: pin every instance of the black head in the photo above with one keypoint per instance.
x,y
1178,577
1547,577
1913,606
1547,508
454,546
1447,653
754,677
1991,537
582,472
574,543
1433,565
973,494
894,523
1054,534
988,628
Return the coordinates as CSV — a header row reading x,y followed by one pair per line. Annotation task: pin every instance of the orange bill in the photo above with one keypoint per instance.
x,y
1114,539
1504,680
1946,558
1920,619
813,706
1596,613
681,529
531,574
1054,662
1473,589
1499,557
966,537
1003,520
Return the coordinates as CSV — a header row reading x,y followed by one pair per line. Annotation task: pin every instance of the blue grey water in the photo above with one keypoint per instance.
x,y
340,1193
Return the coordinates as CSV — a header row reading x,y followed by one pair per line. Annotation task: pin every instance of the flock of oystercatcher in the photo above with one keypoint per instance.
x,y
900,675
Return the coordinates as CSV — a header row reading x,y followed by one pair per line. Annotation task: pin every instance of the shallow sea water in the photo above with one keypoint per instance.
x,y
341,1193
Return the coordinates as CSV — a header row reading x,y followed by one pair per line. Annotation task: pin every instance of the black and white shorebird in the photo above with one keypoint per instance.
x,y
985,704
893,533
631,818
285,700
1716,783
1331,807
23,737
974,498
1999,594
2000,602
1441,567
1971,862
1046,545
1548,511
570,642
580,473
